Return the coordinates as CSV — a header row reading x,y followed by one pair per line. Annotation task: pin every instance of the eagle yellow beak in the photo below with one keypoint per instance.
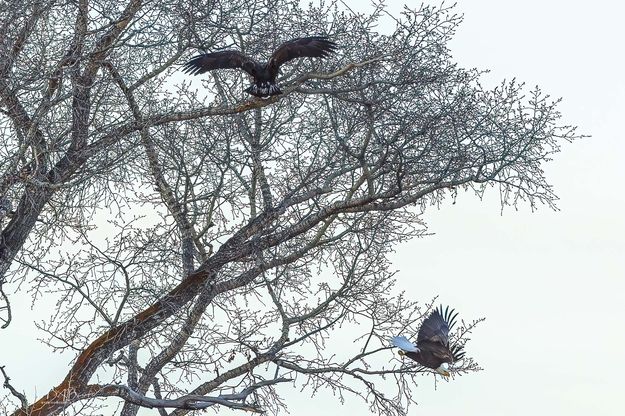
x,y
443,370
401,352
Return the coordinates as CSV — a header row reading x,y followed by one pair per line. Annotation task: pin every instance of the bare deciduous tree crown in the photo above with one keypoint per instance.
x,y
203,249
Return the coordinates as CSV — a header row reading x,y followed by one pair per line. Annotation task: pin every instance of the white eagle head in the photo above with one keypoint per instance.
x,y
443,369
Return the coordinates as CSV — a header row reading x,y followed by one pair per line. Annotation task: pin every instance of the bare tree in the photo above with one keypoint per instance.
x,y
203,249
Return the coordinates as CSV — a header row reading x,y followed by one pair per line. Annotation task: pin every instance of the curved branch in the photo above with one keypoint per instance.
x,y
188,402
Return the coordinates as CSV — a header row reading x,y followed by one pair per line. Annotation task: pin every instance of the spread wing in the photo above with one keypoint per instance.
x,y
311,47
219,60
458,352
436,327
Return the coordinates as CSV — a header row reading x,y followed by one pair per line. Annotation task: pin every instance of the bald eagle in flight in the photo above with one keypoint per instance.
x,y
264,74
432,349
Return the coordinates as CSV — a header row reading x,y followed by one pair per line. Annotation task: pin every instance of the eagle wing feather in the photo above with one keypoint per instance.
x,y
228,59
308,47
434,329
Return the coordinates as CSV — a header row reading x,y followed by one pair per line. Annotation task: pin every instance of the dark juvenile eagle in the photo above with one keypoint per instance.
x,y
264,74
432,349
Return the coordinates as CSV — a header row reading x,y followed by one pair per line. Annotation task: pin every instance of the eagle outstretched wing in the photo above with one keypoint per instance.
x,y
310,47
436,327
458,352
220,60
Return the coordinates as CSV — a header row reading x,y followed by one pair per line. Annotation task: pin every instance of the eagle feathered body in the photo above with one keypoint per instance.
x,y
264,74
432,349
431,355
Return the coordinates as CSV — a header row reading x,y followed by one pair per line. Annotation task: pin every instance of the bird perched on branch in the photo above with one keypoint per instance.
x,y
432,349
264,74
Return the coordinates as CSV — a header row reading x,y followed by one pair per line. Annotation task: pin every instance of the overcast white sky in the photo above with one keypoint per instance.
x,y
551,284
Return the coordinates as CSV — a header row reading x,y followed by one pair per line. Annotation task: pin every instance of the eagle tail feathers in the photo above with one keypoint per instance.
x,y
403,343
265,89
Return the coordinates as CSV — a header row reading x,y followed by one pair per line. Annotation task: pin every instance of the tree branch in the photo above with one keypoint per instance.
x,y
188,402
14,392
